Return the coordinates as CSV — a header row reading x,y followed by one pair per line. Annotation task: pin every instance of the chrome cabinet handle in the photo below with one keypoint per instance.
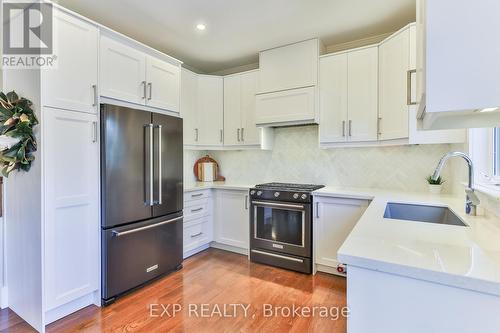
x,y
196,235
409,86
196,210
151,201
350,127
123,233
343,128
317,210
160,157
94,89
238,134
246,202
196,134
150,85
379,131
94,131
242,134
221,135
144,89
196,195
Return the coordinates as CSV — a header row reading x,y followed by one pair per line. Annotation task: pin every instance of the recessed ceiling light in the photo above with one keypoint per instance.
x,y
200,26
488,109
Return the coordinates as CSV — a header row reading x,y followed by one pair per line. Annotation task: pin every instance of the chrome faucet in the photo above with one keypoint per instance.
x,y
471,200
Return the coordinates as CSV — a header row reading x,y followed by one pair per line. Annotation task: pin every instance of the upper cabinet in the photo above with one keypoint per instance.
x,y
202,110
130,75
240,129
458,64
394,66
349,95
72,85
288,78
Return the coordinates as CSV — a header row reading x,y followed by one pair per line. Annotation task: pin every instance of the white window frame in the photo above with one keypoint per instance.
x,y
481,150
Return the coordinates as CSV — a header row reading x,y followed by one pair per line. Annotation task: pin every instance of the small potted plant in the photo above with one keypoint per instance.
x,y
435,186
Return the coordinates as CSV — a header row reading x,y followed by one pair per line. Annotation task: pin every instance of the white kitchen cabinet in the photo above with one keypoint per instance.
x,y
348,96
334,218
163,82
72,84
210,110
231,218
458,65
289,67
198,221
240,128
394,55
130,75
189,107
122,71
71,228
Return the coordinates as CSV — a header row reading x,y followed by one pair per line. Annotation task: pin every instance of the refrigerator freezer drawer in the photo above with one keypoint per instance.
x,y
137,253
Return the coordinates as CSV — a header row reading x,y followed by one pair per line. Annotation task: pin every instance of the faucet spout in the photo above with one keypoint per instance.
x,y
471,200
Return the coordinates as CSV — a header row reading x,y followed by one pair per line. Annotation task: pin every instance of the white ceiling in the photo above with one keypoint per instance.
x,y
238,29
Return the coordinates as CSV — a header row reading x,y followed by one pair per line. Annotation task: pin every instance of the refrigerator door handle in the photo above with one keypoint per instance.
x,y
151,194
123,233
159,166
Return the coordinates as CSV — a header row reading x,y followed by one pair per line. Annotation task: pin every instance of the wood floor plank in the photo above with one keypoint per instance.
x,y
213,277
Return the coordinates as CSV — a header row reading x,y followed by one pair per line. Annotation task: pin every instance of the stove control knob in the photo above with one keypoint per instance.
x,y
259,193
304,196
296,196
276,194
252,192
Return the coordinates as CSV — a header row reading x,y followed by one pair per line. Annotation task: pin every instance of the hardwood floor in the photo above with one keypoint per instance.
x,y
213,277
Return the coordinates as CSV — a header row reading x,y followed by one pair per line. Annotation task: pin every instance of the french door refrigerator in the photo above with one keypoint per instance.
x,y
141,197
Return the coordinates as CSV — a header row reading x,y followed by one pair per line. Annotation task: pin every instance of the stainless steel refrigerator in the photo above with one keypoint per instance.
x,y
141,197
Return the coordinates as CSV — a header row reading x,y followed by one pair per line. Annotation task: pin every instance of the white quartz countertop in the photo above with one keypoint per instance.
x,y
463,257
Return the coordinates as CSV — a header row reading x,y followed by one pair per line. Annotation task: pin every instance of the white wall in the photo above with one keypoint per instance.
x,y
296,157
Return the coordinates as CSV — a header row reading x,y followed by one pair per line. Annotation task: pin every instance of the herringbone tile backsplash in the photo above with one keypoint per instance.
x,y
296,157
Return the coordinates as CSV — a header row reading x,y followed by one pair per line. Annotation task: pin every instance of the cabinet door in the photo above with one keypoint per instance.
x,y
72,84
232,218
189,106
334,219
210,108
163,81
333,98
362,94
232,110
71,177
251,134
122,72
393,67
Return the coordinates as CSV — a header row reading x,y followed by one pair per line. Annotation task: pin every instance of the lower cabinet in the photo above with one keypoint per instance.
x,y
71,215
334,218
198,222
232,218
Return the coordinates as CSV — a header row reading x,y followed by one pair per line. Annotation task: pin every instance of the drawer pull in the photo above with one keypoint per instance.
x,y
196,235
196,195
196,210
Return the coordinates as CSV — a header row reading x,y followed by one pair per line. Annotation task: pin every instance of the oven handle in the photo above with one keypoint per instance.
x,y
263,203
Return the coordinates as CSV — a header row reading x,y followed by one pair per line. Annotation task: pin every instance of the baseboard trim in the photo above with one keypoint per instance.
x,y
195,251
69,308
229,248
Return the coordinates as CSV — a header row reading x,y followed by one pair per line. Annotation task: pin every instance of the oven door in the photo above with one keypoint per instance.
x,y
281,227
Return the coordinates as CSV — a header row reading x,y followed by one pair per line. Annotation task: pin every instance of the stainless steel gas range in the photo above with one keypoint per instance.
x,y
281,225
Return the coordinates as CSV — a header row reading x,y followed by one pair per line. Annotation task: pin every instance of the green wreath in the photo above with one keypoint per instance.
x,y
17,142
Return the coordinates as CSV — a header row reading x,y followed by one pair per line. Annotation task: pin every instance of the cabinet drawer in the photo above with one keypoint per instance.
x,y
196,209
196,195
290,106
197,233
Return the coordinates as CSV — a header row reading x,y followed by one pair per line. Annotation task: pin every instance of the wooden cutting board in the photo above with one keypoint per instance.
x,y
198,171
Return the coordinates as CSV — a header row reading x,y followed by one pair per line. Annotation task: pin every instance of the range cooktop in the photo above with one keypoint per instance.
x,y
289,187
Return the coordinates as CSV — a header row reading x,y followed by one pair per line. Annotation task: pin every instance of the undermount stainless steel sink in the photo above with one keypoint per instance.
x,y
422,213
